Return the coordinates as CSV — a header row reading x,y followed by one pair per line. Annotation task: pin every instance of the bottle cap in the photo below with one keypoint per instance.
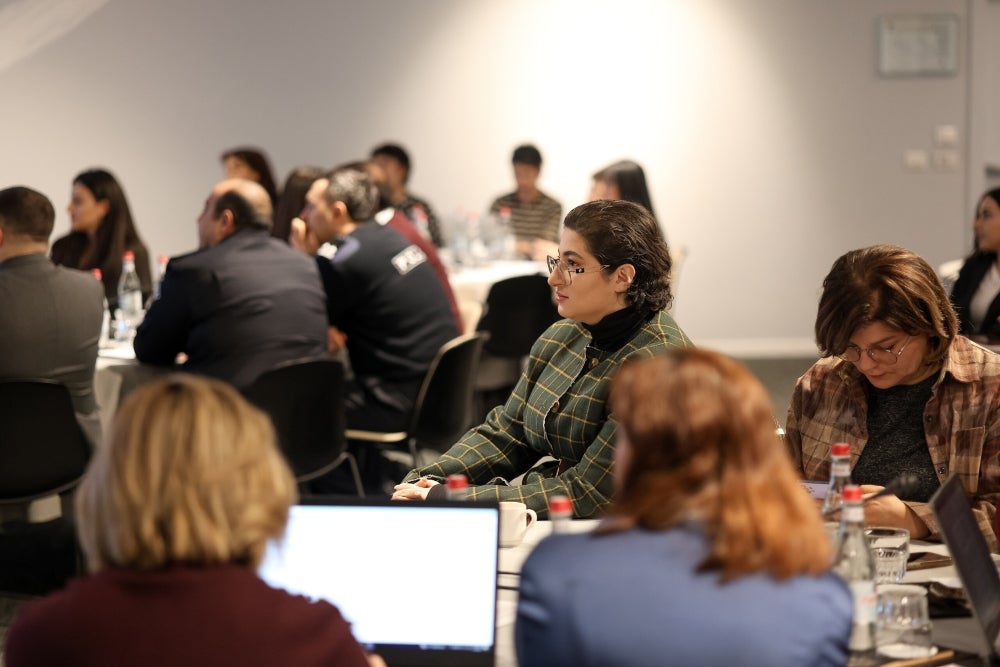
x,y
841,449
457,481
560,504
852,493
96,273
128,255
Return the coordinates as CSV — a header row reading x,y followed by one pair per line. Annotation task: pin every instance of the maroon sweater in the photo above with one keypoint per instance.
x,y
222,615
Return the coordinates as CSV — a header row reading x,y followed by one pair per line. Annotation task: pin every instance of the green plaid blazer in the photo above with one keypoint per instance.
x,y
558,408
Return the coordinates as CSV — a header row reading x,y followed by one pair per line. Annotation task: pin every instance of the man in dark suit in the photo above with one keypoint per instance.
x,y
51,316
240,305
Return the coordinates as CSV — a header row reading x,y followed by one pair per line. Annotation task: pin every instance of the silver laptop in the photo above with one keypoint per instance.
x,y
971,557
416,580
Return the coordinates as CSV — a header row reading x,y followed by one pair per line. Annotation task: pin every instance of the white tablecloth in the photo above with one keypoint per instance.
x,y
473,283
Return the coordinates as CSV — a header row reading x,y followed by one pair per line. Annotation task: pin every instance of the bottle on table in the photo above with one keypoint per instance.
x,y
457,486
105,338
856,566
840,477
420,220
161,269
130,310
560,513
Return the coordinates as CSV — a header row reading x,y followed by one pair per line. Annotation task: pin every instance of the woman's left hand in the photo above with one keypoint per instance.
x,y
416,491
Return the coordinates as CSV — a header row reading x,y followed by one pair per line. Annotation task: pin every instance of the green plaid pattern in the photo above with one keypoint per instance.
x,y
961,424
556,410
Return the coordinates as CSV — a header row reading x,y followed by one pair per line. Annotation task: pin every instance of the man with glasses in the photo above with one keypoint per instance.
x,y
897,382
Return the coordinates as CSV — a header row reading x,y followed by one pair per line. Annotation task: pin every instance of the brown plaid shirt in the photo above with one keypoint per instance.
x,y
961,424
555,410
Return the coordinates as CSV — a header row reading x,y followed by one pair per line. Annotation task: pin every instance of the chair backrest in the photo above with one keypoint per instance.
x,y
443,408
517,311
43,450
305,400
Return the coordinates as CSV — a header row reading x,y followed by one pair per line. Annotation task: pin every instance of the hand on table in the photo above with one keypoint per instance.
x,y
375,660
416,491
889,510
335,340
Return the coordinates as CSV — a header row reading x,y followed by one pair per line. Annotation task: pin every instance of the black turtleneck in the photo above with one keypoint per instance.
x,y
612,332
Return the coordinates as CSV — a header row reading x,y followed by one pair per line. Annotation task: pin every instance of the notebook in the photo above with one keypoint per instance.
x,y
971,557
416,580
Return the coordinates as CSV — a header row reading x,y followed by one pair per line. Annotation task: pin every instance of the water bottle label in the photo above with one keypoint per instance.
x,y
840,468
865,601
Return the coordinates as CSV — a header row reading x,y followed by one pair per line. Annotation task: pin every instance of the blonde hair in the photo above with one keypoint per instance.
x,y
190,473
702,445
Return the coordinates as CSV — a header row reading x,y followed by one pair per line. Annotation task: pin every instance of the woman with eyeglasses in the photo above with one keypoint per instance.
x,y
902,387
611,284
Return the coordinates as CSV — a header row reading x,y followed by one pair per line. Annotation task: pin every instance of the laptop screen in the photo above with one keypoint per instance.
x,y
416,580
970,554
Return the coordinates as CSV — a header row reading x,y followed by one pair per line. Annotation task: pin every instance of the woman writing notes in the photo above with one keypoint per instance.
x,y
710,555
902,387
611,283
976,294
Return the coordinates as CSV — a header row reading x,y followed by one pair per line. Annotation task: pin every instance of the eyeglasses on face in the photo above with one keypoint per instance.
x,y
567,271
880,355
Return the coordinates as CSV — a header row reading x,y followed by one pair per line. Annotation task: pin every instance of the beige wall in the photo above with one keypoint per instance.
x,y
770,140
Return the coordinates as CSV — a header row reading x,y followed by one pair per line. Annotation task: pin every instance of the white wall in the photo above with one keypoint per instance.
x,y
771,143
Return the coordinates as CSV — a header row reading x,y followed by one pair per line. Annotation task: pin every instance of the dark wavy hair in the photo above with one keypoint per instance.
x,y
293,199
887,284
619,232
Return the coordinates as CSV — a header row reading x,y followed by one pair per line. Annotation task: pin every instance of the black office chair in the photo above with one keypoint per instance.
x,y
305,400
43,452
443,409
517,311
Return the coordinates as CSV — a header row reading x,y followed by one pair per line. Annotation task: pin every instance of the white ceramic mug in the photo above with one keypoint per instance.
x,y
515,518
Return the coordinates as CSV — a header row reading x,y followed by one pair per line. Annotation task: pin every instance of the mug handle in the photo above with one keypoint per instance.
x,y
532,516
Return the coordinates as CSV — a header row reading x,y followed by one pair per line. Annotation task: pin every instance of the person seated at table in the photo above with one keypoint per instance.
x,y
252,164
976,293
711,552
624,179
395,162
52,315
174,514
243,303
611,283
383,299
900,385
101,230
534,216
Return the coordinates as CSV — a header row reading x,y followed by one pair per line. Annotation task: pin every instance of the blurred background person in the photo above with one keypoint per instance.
x,y
174,515
101,230
709,528
534,216
976,293
624,179
293,199
612,284
899,384
252,164
395,162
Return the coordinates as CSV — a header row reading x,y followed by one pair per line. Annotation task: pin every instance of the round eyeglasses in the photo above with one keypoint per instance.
x,y
567,271
880,355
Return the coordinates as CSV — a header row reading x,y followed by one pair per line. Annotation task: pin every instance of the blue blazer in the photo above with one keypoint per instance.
x,y
634,599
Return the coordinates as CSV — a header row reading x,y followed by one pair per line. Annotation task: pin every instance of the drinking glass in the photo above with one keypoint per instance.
x,y
890,549
903,626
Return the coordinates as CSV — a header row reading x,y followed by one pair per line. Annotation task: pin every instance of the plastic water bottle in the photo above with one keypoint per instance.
x,y
560,513
507,241
161,269
419,217
105,338
855,565
840,477
129,298
457,486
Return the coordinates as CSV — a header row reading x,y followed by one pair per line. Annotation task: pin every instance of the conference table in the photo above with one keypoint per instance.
x,y
959,633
